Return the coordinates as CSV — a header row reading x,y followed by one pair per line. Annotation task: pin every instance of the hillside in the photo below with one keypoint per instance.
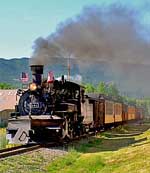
x,y
131,79
11,69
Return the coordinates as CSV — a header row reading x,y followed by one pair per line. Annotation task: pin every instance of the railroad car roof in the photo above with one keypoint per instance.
x,y
97,96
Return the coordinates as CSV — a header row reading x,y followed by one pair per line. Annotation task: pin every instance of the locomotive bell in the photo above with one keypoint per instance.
x,y
37,72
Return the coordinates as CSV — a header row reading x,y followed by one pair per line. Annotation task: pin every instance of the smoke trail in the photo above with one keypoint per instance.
x,y
112,34
96,34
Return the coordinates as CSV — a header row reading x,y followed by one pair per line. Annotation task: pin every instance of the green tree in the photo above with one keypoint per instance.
x,y
145,104
89,88
129,100
102,88
6,86
112,90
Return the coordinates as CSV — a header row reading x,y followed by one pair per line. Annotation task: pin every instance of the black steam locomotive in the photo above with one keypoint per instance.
x,y
46,111
59,110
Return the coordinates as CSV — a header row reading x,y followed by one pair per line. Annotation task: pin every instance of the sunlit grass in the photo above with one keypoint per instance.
x,y
3,141
110,154
76,162
2,131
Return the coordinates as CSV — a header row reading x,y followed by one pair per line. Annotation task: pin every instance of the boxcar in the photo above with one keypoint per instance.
x,y
124,112
139,113
131,112
100,111
92,109
109,112
87,111
118,112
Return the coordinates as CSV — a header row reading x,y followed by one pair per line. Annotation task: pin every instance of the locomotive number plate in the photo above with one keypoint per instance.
x,y
35,105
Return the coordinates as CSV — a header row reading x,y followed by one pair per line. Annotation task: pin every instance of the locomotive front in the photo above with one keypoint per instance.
x,y
32,101
46,111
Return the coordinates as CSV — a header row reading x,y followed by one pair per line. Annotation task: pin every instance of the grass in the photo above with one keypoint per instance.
x,y
75,162
113,151
23,164
123,149
3,141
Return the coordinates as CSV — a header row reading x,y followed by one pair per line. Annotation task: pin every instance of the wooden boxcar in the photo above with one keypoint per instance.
x,y
93,111
109,113
118,112
100,111
139,113
124,112
131,112
87,111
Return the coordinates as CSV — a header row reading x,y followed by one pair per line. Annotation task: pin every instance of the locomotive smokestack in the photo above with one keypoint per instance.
x,y
37,72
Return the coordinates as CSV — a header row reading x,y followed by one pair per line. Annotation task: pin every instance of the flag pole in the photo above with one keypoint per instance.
x,y
24,79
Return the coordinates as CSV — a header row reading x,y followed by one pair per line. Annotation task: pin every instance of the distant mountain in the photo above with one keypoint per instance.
x,y
10,70
132,79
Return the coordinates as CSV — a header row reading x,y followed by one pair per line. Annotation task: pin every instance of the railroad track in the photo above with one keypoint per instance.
x,y
7,152
18,150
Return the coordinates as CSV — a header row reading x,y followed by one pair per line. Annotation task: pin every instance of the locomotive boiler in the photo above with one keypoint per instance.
x,y
46,110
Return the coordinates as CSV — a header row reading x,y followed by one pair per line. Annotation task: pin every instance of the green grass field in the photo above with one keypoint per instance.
x,y
121,150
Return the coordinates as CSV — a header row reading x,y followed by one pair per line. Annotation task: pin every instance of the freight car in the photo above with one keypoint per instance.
x,y
61,110
139,113
101,112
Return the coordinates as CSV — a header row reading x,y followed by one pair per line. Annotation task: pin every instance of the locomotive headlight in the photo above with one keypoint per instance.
x,y
32,86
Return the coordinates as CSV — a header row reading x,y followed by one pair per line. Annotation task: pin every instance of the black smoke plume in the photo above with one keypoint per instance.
x,y
96,35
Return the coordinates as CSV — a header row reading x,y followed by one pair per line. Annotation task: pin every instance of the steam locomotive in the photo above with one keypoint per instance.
x,y
61,110
46,110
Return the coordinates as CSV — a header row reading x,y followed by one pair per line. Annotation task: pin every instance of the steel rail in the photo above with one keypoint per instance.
x,y
18,150
7,152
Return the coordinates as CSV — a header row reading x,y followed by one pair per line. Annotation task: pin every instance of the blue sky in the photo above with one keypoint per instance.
x,y
21,22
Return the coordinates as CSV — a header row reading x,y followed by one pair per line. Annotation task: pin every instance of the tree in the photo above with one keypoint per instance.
x,y
89,88
131,101
145,104
112,90
102,88
6,86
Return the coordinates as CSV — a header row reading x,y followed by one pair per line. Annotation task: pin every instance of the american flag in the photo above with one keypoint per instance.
x,y
24,77
50,78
